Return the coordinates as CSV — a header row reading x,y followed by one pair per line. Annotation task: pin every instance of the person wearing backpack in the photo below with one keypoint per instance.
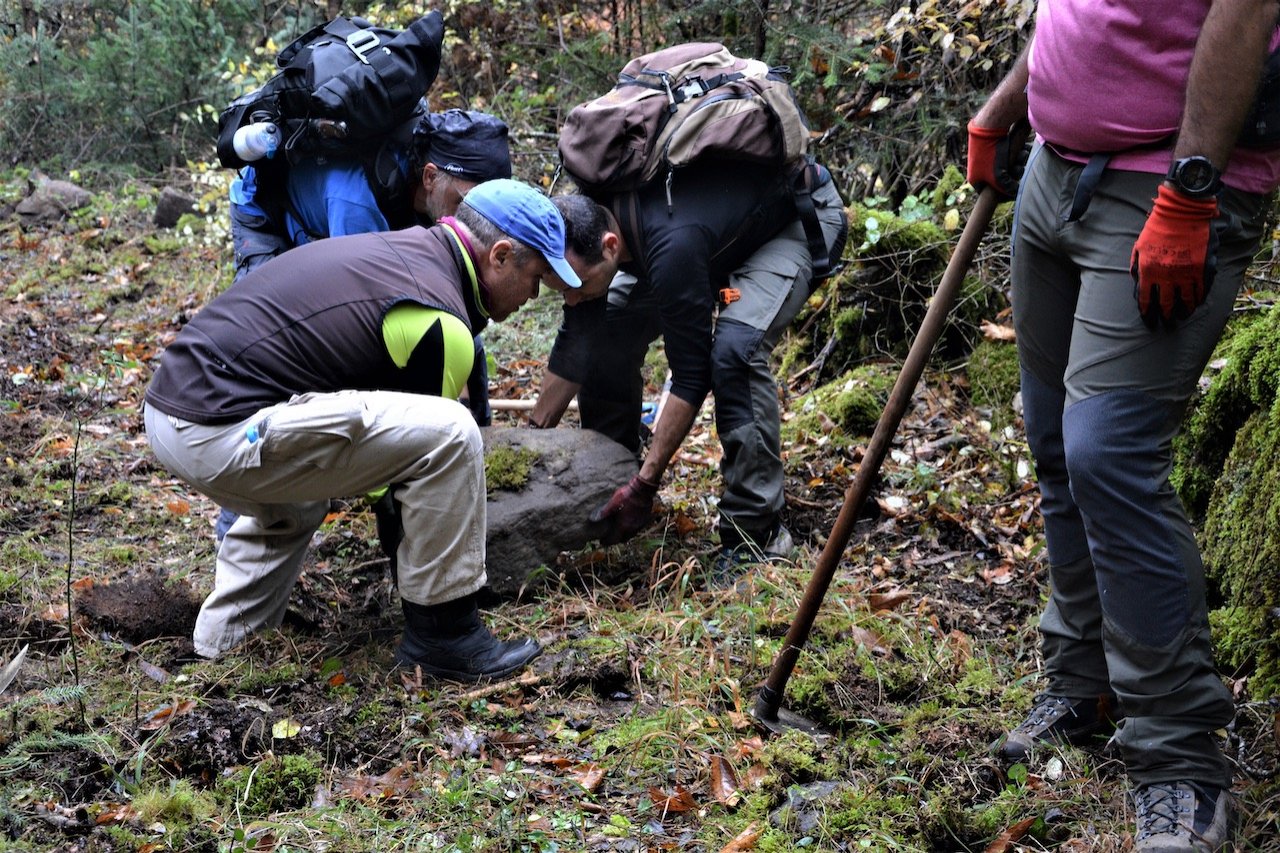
x,y
443,156
717,262
439,158
340,383
1118,302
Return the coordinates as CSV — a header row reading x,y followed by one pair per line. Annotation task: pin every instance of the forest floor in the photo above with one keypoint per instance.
x,y
632,731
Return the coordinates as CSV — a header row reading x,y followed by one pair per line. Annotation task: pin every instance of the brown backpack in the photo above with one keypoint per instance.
x,y
678,104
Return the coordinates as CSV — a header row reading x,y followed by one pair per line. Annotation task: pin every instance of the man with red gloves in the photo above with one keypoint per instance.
x,y
1118,302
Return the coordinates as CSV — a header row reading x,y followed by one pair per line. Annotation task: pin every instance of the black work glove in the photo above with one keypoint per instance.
x,y
628,511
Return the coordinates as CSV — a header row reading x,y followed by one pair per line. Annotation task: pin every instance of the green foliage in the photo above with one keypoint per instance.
x,y
178,804
273,784
853,402
110,82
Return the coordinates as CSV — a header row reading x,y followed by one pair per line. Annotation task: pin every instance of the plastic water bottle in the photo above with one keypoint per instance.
x,y
255,141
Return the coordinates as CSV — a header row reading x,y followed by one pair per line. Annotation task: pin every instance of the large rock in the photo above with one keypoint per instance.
x,y
171,205
52,201
575,472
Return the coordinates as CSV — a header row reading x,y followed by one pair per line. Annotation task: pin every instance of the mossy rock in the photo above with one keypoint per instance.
x,y
994,379
1246,383
876,304
1227,471
853,402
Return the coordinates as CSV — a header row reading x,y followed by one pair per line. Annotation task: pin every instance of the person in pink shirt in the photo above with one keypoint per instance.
x,y
1138,214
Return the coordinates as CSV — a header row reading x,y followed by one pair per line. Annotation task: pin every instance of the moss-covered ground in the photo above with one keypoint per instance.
x,y
633,729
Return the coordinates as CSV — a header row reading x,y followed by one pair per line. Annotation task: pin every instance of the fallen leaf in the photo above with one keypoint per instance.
x,y
748,746
1007,839
285,728
178,507
888,600
162,715
684,524
998,575
677,802
152,671
893,505
745,840
874,643
724,782
589,776
395,783
997,332
115,813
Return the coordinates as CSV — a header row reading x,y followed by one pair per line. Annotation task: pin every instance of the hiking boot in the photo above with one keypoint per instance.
x,y
450,642
1057,719
386,518
733,561
1182,817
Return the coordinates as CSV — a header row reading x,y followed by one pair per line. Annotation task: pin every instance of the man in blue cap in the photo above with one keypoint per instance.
x,y
341,383
416,176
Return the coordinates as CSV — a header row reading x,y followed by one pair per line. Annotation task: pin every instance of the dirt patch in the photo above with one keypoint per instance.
x,y
140,607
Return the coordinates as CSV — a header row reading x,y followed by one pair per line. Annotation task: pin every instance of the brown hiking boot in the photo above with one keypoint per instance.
x,y
1058,719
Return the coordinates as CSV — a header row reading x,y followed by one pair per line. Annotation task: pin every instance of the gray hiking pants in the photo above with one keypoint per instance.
x,y
321,446
1103,399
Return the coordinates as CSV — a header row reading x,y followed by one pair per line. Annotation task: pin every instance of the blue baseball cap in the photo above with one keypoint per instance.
x,y
520,211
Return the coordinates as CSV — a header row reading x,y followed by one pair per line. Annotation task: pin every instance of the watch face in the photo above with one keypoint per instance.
x,y
1196,174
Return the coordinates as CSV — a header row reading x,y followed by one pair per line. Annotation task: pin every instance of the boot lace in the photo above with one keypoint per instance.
x,y
1046,711
1159,807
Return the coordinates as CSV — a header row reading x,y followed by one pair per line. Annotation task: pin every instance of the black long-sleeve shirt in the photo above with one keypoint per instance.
x,y
720,212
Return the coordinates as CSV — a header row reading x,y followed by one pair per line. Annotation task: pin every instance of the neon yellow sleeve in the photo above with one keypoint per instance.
x,y
433,343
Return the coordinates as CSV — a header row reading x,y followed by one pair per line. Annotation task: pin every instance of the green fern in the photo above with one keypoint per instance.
x,y
61,694
24,750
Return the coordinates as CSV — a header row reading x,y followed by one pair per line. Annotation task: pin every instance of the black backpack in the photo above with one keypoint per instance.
x,y
341,86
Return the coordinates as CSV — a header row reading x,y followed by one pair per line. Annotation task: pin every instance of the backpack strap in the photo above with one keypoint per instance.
x,y
803,184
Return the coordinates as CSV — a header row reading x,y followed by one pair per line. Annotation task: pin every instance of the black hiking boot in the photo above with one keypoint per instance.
x,y
450,642
1182,817
1057,719
386,517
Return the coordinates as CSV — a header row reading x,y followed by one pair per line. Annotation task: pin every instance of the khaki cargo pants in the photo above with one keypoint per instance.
x,y
279,469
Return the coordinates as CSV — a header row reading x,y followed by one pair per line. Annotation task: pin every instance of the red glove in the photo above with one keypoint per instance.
x,y
1175,257
993,161
629,510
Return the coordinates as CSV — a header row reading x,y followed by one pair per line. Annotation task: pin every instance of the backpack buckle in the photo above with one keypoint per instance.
x,y
729,295
363,42
693,87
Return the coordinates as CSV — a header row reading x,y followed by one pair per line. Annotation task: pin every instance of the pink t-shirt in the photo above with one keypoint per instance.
x,y
1110,75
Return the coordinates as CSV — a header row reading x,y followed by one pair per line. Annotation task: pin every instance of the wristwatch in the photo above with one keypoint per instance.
x,y
1195,177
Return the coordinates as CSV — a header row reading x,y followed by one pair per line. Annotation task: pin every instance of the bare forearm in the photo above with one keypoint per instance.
x,y
555,396
1008,102
669,432
1224,76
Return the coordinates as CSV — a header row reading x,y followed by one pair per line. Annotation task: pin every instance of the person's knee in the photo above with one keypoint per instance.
x,y
731,370
1112,444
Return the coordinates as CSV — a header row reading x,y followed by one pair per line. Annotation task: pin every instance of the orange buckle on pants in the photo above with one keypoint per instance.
x,y
729,295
